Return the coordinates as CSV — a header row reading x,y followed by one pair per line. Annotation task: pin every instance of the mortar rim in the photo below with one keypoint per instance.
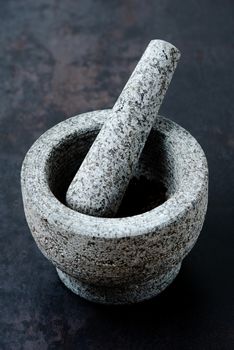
x,y
71,221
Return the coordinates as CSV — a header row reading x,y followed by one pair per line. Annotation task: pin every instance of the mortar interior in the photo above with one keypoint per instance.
x,y
150,186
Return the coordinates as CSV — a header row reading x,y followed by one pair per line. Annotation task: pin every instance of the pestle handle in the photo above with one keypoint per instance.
x,y
102,179
147,85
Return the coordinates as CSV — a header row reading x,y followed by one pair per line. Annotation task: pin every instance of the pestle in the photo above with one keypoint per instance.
x,y
102,179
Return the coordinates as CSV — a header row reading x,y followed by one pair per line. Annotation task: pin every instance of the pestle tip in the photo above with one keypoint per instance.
x,y
163,43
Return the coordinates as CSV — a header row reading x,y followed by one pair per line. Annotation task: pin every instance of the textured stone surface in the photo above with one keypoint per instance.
x,y
141,252
101,181
120,294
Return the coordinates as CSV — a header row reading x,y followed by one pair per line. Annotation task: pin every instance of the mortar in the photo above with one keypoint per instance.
x,y
115,260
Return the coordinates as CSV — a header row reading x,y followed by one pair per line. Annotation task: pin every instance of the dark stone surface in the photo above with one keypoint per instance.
x,y
60,58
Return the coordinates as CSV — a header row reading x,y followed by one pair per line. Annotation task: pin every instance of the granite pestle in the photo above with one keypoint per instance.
x,y
102,179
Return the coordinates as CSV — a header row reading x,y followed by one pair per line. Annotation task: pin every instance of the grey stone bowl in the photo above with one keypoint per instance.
x,y
115,260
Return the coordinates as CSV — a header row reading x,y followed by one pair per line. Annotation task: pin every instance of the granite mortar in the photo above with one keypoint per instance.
x,y
115,260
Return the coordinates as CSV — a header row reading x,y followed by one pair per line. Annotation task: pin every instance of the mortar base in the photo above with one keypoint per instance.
x,y
120,294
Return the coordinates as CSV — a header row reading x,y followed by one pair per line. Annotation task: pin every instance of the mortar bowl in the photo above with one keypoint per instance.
x,y
124,259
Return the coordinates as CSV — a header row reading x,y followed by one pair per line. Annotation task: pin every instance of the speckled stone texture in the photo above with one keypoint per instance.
x,y
101,181
115,260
